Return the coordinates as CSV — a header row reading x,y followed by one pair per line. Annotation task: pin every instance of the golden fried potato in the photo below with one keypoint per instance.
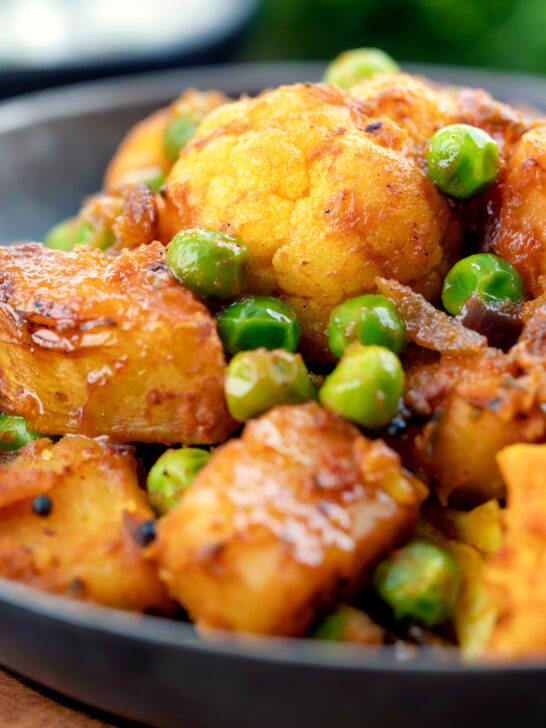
x,y
96,345
87,546
515,228
326,195
422,108
284,520
517,575
142,148
504,123
473,407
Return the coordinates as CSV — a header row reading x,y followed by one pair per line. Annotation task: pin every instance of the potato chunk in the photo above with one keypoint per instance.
x,y
87,546
284,520
515,227
326,194
517,574
468,408
95,345
142,147
412,103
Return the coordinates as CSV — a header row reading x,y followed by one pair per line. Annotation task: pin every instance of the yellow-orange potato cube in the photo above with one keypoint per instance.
x,y
96,345
87,546
143,147
283,521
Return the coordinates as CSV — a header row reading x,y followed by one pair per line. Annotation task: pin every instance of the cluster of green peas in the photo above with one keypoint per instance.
x,y
366,333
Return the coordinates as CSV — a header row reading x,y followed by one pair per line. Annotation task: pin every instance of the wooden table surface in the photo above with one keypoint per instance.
x,y
23,707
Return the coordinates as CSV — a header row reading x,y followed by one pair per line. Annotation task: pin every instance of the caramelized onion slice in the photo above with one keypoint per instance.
x,y
427,326
501,326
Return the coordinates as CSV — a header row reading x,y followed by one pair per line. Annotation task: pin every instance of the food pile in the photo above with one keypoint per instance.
x,y
287,371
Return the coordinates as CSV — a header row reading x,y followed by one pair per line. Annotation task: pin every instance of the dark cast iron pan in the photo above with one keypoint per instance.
x,y
54,147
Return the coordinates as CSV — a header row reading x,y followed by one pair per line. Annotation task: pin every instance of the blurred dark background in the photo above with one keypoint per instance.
x,y
50,42
494,33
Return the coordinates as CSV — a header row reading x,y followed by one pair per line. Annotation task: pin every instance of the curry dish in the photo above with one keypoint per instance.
x,y
286,373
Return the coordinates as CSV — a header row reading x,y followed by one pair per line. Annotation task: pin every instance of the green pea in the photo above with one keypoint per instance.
x,y
369,319
64,235
462,160
331,628
153,177
212,264
172,473
353,66
100,237
419,581
178,133
349,624
258,380
256,321
14,433
366,385
483,275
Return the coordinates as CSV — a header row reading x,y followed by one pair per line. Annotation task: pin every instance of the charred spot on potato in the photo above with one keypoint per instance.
x,y
374,126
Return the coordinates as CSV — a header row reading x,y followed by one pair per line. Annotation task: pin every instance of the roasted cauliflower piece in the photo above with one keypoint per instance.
x,y
95,345
326,194
142,149
283,521
515,226
517,574
87,545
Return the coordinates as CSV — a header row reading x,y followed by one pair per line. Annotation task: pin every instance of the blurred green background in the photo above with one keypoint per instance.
x,y
496,33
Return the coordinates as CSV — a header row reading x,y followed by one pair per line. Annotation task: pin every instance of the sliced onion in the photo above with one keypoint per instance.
x,y
427,326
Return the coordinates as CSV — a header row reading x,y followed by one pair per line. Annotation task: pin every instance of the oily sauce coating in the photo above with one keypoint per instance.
x,y
326,195
95,345
282,521
87,546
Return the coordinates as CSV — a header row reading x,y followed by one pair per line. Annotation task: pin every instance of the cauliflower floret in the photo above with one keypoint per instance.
x,y
326,195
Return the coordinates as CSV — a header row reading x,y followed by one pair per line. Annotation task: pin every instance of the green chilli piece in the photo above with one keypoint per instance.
x,y
369,319
419,581
485,276
153,177
260,379
353,66
14,433
212,264
178,133
258,321
462,160
64,235
172,473
366,386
